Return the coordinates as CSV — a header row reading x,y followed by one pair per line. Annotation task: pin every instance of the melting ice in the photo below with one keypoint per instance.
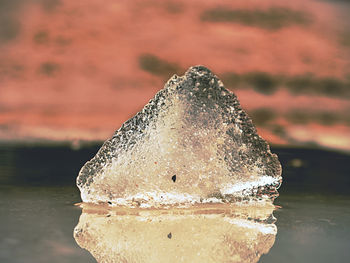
x,y
192,143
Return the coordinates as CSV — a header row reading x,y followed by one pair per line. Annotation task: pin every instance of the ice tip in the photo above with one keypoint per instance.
x,y
199,70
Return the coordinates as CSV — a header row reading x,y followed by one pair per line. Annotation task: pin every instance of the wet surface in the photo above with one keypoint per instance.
x,y
38,216
311,228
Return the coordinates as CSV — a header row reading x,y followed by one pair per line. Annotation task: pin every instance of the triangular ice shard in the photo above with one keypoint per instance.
x,y
191,143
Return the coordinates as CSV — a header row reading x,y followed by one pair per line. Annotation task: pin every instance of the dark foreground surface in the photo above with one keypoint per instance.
x,y
38,193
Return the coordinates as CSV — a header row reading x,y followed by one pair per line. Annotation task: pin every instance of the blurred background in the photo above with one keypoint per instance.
x,y
74,71
71,72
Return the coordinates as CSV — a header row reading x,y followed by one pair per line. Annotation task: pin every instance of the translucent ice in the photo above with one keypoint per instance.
x,y
191,143
206,233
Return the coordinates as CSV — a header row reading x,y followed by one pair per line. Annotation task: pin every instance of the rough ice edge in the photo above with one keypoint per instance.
x,y
231,189
263,228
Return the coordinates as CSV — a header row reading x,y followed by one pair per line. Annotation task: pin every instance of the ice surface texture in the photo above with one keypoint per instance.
x,y
191,143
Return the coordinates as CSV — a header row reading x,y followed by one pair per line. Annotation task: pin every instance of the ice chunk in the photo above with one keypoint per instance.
x,y
191,143
206,233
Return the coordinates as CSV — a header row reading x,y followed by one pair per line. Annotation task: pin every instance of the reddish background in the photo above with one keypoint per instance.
x,y
76,70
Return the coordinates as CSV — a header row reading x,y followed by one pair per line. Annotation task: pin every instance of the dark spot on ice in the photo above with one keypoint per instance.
x,y
170,235
173,178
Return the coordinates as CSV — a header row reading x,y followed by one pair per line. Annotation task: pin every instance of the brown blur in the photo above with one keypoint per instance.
x,y
76,70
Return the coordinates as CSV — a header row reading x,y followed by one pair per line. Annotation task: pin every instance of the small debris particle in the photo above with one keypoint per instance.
x,y
170,235
173,178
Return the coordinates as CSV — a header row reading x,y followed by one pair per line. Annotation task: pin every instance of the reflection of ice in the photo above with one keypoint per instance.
x,y
205,233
